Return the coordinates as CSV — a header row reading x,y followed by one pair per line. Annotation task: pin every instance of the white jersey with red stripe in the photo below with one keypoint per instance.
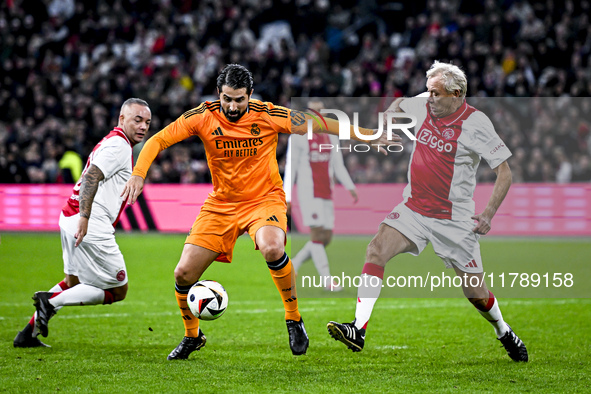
x,y
314,169
113,156
445,157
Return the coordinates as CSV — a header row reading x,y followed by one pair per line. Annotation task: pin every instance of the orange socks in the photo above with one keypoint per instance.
x,y
284,278
189,320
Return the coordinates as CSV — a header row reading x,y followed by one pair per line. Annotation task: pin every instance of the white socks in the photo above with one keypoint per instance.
x,y
301,256
55,289
320,259
492,313
80,294
317,253
368,293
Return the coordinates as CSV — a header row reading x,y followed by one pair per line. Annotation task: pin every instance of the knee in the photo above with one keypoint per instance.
x,y
119,293
272,250
71,281
321,236
326,239
182,275
119,296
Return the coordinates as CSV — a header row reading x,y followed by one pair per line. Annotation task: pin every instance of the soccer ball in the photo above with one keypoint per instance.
x,y
207,300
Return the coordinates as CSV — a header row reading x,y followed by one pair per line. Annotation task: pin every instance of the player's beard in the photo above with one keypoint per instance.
x,y
233,117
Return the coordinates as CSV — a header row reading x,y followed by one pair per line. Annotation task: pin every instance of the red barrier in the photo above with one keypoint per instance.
x,y
173,208
529,209
32,207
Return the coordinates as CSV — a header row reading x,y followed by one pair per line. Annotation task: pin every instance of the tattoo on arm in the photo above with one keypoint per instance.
x,y
297,118
88,189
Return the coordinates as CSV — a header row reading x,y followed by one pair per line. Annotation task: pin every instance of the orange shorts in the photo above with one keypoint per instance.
x,y
220,223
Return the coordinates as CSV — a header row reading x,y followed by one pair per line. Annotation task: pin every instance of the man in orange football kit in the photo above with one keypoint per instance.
x,y
240,137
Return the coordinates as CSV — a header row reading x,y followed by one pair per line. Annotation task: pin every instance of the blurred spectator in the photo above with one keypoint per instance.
x,y
582,170
565,168
70,166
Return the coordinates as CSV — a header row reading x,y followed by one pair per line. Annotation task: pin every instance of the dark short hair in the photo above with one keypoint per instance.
x,y
235,76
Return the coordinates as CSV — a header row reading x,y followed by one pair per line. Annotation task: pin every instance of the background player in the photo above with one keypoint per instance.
x,y
240,139
314,171
93,264
438,205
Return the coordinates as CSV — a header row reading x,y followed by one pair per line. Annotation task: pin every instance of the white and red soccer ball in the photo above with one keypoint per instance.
x,y
207,300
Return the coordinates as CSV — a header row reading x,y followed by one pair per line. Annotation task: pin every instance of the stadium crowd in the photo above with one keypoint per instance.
x,y
66,66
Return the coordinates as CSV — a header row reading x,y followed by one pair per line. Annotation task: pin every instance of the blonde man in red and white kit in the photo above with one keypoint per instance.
x,y
452,137
93,264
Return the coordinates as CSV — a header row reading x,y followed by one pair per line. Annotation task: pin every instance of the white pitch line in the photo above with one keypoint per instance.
x,y
391,347
323,307
237,302
170,313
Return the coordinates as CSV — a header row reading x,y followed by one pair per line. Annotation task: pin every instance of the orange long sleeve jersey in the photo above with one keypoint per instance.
x,y
241,155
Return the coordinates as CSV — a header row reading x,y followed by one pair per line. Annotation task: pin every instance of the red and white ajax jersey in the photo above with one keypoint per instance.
x,y
445,157
113,156
314,168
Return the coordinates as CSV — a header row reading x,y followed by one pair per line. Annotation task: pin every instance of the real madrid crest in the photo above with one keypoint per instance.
x,y
255,130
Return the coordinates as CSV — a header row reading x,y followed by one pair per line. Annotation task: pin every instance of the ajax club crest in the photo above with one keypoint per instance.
x,y
448,134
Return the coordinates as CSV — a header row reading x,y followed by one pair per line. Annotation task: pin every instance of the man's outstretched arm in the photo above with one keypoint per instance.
x,y
170,135
299,125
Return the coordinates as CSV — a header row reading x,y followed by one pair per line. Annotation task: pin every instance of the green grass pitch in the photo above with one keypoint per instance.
x,y
421,344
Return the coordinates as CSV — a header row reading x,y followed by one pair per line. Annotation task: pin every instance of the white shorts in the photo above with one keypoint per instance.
x,y
318,212
100,265
453,240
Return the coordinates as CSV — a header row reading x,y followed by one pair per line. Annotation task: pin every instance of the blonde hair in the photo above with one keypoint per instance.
x,y
453,77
